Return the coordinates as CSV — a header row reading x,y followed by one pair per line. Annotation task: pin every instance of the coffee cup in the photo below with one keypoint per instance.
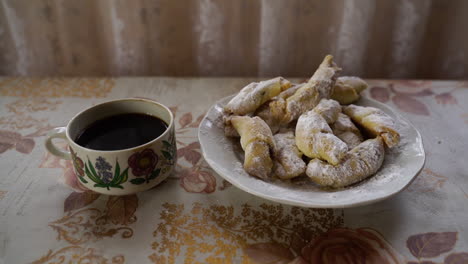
x,y
119,171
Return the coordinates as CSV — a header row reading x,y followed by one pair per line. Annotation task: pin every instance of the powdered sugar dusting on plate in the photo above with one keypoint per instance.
x,y
402,163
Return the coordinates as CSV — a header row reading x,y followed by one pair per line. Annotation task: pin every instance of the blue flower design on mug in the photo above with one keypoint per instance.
x,y
101,174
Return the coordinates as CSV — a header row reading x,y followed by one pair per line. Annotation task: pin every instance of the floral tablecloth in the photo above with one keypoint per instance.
x,y
197,217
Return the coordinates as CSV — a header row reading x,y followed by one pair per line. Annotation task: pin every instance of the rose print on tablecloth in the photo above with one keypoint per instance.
x,y
427,181
186,120
104,219
87,225
23,122
362,245
23,111
14,140
78,200
405,101
457,258
32,105
446,98
339,245
405,94
269,253
431,245
204,233
344,245
381,94
56,87
410,105
427,246
68,177
11,137
197,178
190,153
121,209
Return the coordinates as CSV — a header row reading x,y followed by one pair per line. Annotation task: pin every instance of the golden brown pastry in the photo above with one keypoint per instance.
x,y
374,121
319,86
359,163
345,129
328,109
254,95
288,158
273,112
258,144
347,89
315,139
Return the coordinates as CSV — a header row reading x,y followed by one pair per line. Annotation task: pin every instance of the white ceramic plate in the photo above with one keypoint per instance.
x,y
400,167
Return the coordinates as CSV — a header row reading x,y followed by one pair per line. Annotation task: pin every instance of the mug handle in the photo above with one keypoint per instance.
x,y
58,132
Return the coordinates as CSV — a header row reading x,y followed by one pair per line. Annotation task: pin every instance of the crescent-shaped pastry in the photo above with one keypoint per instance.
x,y
345,129
359,163
273,112
347,89
315,139
254,95
319,86
288,158
258,144
328,109
375,121
229,130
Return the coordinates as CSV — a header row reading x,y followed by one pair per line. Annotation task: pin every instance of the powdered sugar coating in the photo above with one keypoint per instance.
x,y
351,139
319,86
258,161
252,129
345,129
254,95
288,158
315,139
274,111
400,166
359,163
355,82
347,89
289,92
328,109
343,123
374,120
257,142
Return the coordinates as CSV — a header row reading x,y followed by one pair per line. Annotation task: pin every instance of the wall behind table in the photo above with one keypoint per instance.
x,y
370,38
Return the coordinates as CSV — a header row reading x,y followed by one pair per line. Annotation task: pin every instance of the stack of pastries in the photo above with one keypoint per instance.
x,y
287,130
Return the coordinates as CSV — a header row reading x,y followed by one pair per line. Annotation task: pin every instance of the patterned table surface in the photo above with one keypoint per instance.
x,y
197,217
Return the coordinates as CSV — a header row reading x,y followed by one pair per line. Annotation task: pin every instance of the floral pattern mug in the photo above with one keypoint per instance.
x,y
119,172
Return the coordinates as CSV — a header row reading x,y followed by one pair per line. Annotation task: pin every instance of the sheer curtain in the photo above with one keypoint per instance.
x,y
370,38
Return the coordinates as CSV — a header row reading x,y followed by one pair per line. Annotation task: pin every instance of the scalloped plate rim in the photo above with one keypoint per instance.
x,y
311,204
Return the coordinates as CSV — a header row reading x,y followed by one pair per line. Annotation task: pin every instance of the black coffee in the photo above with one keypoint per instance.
x,y
121,132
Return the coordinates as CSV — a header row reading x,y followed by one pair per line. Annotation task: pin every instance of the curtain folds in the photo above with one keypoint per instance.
x,y
370,38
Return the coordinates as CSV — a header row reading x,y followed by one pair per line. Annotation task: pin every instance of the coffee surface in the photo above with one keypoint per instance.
x,y
121,132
